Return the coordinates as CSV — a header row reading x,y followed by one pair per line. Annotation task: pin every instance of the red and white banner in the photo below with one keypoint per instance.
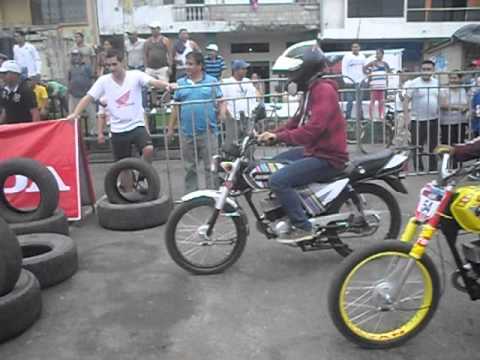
x,y
54,143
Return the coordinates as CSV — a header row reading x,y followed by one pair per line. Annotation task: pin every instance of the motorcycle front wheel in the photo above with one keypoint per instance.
x,y
382,218
362,302
189,246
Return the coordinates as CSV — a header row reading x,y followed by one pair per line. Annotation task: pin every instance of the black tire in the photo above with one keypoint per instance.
x,y
10,258
349,265
52,258
145,169
179,258
137,216
55,224
386,196
20,308
45,181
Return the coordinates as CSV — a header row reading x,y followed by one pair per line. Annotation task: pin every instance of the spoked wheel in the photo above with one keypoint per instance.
x,y
191,248
369,305
381,220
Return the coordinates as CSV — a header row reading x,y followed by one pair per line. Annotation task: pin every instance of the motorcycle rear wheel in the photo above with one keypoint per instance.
x,y
359,291
190,249
370,195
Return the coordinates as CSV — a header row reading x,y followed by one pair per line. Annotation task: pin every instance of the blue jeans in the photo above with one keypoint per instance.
x,y
302,171
350,97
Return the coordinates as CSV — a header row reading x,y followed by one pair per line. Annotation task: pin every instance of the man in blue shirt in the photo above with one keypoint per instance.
x,y
214,63
197,111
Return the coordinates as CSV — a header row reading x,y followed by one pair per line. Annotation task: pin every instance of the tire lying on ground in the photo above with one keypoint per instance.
x,y
21,307
145,169
10,259
52,258
133,216
57,223
46,184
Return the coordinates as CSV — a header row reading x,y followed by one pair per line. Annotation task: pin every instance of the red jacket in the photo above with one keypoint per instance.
x,y
323,134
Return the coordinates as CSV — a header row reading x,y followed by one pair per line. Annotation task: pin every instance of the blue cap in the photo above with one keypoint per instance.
x,y
239,64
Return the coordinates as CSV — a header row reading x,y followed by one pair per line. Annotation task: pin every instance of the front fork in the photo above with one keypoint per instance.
x,y
418,249
224,192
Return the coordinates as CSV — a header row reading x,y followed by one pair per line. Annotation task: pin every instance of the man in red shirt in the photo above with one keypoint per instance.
x,y
319,129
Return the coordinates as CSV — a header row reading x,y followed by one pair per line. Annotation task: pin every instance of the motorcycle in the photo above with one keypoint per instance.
x,y
387,293
208,231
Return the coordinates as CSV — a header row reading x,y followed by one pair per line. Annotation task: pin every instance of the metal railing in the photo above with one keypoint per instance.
x,y
185,156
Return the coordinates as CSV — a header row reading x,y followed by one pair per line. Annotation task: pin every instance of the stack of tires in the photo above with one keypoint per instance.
x,y
46,218
119,211
43,248
20,298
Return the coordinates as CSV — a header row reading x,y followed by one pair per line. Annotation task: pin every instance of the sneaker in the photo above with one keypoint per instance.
x,y
142,186
295,235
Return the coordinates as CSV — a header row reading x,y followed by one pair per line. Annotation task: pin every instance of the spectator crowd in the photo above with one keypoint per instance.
x,y
432,112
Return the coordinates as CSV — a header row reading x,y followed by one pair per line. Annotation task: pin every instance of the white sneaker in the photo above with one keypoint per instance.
x,y
295,235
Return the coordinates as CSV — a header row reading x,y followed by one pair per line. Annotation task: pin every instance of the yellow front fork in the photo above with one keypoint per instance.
x,y
409,233
410,230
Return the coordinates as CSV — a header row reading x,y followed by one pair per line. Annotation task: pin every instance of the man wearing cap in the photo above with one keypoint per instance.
x,y
240,89
80,78
214,63
26,56
134,49
157,51
17,100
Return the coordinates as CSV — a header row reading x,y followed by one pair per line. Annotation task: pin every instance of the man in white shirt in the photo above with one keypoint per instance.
x,y
244,100
423,93
352,70
134,49
26,56
123,93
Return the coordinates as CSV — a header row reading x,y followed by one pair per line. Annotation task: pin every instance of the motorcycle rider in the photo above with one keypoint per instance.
x,y
318,127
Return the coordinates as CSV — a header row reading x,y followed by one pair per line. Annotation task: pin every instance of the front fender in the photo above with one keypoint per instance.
x,y
233,209
212,194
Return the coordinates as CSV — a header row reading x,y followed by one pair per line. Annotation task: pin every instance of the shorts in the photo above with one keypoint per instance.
x,y
377,95
122,142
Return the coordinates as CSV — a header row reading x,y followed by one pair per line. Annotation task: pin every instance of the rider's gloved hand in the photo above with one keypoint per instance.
x,y
444,149
267,137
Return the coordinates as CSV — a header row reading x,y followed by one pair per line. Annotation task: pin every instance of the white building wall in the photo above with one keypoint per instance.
x,y
115,19
338,26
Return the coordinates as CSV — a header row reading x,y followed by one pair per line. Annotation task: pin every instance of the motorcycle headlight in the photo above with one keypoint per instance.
x,y
215,163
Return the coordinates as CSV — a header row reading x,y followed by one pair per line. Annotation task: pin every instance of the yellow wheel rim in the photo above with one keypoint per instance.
x,y
399,331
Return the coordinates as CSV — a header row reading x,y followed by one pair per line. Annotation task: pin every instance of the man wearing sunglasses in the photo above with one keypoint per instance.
x,y
243,100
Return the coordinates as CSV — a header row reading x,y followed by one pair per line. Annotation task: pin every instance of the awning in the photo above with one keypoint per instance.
x,y
468,33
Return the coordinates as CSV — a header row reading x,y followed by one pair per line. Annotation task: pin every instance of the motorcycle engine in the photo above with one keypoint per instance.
x,y
272,209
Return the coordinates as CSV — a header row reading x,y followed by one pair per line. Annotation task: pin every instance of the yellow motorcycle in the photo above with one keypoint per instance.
x,y
386,293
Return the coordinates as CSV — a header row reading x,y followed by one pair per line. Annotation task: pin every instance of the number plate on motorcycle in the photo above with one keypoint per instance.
x,y
430,198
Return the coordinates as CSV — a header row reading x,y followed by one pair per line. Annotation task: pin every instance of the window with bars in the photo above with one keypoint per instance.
x,y
48,12
442,10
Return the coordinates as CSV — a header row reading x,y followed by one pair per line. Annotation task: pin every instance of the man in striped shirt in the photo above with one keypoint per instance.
x,y
214,63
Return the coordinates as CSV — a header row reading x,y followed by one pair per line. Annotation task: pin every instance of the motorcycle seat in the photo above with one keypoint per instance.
x,y
369,163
